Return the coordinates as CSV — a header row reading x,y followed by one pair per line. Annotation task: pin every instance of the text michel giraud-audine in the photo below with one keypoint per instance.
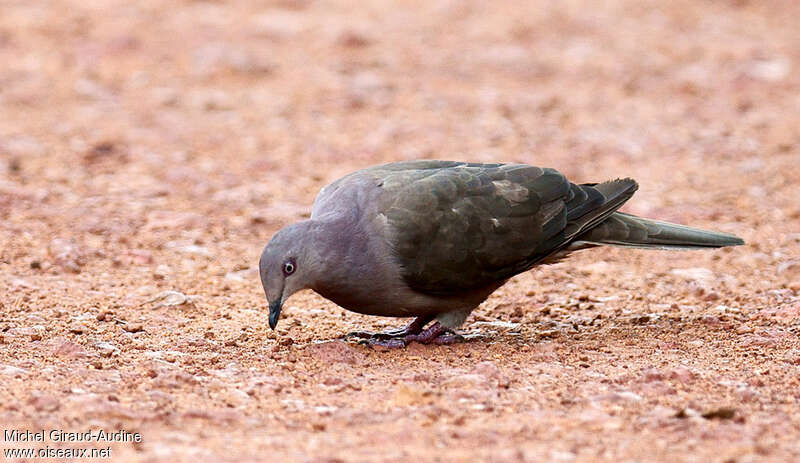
x,y
58,435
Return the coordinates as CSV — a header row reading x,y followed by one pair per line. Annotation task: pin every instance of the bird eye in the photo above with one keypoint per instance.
x,y
288,267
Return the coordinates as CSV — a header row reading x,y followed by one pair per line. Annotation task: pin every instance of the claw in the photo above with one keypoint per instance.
x,y
435,334
362,335
413,328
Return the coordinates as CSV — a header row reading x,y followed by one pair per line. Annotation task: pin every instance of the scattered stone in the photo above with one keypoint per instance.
x,y
45,403
189,248
682,375
167,375
133,327
134,257
757,340
33,332
278,25
353,39
652,374
788,313
68,349
235,398
644,319
620,396
318,427
561,456
332,381
171,299
744,329
96,406
792,357
325,410
336,352
502,325
174,220
685,413
244,275
465,381
656,389
106,349
21,283
66,254
769,70
166,96
487,369
14,165
105,151
91,89
790,266
491,372
406,395
10,370
747,394
162,272
724,413
78,328
724,310
694,273
549,334
216,58
213,100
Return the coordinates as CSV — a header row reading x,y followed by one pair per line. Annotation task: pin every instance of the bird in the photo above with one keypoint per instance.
x,y
433,239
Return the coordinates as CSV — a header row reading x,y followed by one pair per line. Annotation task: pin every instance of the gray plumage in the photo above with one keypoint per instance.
x,y
437,238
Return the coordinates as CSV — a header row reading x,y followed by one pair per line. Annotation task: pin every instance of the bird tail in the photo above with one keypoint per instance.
x,y
630,231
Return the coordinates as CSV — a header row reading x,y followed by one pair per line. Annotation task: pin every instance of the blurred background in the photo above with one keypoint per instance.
x,y
155,146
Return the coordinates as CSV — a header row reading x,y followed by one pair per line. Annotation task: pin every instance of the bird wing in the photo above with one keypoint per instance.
x,y
458,226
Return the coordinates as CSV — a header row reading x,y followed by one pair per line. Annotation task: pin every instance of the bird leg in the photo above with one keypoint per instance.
x,y
414,327
435,334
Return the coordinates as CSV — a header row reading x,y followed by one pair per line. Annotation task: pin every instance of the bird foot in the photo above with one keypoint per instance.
x,y
435,334
414,327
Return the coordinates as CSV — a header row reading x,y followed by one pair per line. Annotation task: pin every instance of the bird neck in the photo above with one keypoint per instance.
x,y
334,244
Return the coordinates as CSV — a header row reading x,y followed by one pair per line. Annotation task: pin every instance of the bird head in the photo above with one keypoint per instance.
x,y
284,267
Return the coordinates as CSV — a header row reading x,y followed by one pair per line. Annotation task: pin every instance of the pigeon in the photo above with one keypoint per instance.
x,y
433,239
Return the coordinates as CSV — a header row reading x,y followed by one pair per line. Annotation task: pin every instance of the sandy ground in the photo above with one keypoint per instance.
x,y
149,146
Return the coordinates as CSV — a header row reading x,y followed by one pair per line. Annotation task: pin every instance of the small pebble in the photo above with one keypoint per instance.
x,y
719,414
106,349
744,329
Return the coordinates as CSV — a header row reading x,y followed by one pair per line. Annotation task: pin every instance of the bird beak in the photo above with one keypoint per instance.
x,y
274,312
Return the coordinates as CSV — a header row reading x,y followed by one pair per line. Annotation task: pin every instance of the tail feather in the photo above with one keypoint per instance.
x,y
627,230
615,194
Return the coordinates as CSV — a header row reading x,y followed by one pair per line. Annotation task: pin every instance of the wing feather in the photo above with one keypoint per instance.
x,y
458,226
